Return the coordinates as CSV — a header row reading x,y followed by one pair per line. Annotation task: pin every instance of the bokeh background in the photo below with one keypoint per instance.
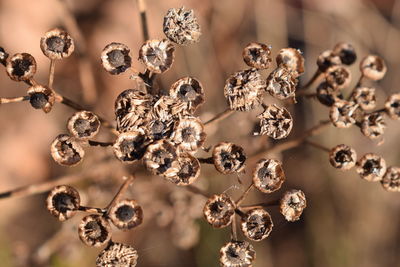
x,y
348,221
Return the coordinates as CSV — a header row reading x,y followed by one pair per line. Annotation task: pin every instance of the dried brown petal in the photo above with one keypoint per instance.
x,y
371,167
365,97
188,90
257,55
327,59
115,58
291,59
391,180
41,97
66,150
181,27
130,146
94,230
373,67
346,52
188,134
276,122
281,83
57,44
161,158
157,55
219,210
292,204
268,176
343,157
237,254
117,255
392,106
338,77
373,125
126,214
327,95
342,114
63,201
228,158
21,67
83,125
256,224
3,55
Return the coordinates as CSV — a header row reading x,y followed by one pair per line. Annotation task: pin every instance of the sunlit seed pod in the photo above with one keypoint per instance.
x,y
392,106
237,254
243,90
181,26
343,157
187,170
115,58
291,59
282,83
161,158
373,67
346,52
256,224
126,214
371,167
130,146
228,158
292,204
391,179
276,122
41,97
327,59
188,90
157,55
83,125
327,95
57,44
117,255
21,67
66,150
257,55
219,210
373,125
3,55
365,97
63,201
94,230
268,175
342,114
188,134
338,77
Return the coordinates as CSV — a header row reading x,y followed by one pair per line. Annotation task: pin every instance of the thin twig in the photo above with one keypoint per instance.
x,y
98,143
316,145
220,116
197,191
245,193
234,229
261,205
359,82
120,192
312,80
6,100
92,210
209,160
143,19
51,73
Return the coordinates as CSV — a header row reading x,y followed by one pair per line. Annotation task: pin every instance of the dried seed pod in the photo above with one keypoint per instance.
x,y
243,90
160,158
392,106
257,55
256,224
327,95
180,26
188,90
167,108
21,67
342,114
115,58
187,170
157,55
338,77
281,83
41,97
65,150
126,214
268,176
188,134
237,254
219,210
292,204
276,122
63,201
130,146
391,180
228,158
291,59
365,97
94,230
57,44
342,157
373,125
83,124
373,67
3,55
117,254
159,129
327,59
346,52
371,167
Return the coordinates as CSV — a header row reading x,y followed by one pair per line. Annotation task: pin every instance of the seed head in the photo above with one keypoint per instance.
x,y
115,58
327,95
291,59
130,146
256,224
21,67
391,180
189,91
181,27
268,176
94,230
276,122
346,52
117,255
327,59
219,210
83,125
338,77
186,171
160,158
57,44
257,55
342,113
342,157
228,158
63,201
373,125
237,254
365,97
66,150
292,205
188,134
373,67
41,97
392,106
371,167
126,214
157,55
281,83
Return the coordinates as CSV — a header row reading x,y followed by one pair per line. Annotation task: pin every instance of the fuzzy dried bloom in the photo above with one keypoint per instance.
x,y
160,158
181,26
392,106
115,58
126,214
228,158
281,83
63,201
338,77
371,167
21,67
342,157
219,210
237,254
292,205
327,59
188,90
373,67
66,150
275,121
268,175
243,90
342,114
3,55
94,230
256,224
41,97
257,55
187,170
346,52
83,125
130,146
57,44
391,180
373,125
188,134
365,97
157,55
117,255
327,95
291,59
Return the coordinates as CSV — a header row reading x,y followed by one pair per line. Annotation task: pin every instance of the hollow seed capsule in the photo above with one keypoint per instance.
x,y
126,214
343,157
237,254
292,205
21,67
66,150
57,44
115,58
219,210
63,201
94,230
83,125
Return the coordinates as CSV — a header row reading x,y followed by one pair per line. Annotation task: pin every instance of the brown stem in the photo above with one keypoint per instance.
x,y
245,193
316,145
197,191
261,205
355,87
143,19
209,160
92,210
223,115
121,191
98,143
51,73
311,81
234,229
6,100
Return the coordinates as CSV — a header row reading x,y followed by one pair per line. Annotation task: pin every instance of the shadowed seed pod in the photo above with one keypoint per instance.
x,y
257,55
168,108
268,175
338,77
189,91
83,125
115,58
159,129
126,214
342,114
181,27
371,167
327,95
157,55
57,44
41,97
187,170
94,230
346,52
373,67
243,90
3,55
63,201
365,97
291,59
228,158
130,146
188,134
342,157
237,254
66,150
118,255
327,59
160,158
21,67
292,205
256,224
391,180
276,122
392,106
281,83
219,210
373,125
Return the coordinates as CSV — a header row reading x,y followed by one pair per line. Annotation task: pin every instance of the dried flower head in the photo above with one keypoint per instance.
x,y
291,59
392,106
346,52
268,176
338,77
237,254
228,158
327,59
342,157
371,167
21,67
117,255
256,224
292,204
181,26
63,201
342,113
281,83
41,97
373,125
130,146
257,55
66,150
161,158
3,55
189,91
275,121
187,170
57,44
365,97
83,125
115,58
188,134
126,214
373,67
157,55
219,210
94,230
391,180
243,90
327,95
